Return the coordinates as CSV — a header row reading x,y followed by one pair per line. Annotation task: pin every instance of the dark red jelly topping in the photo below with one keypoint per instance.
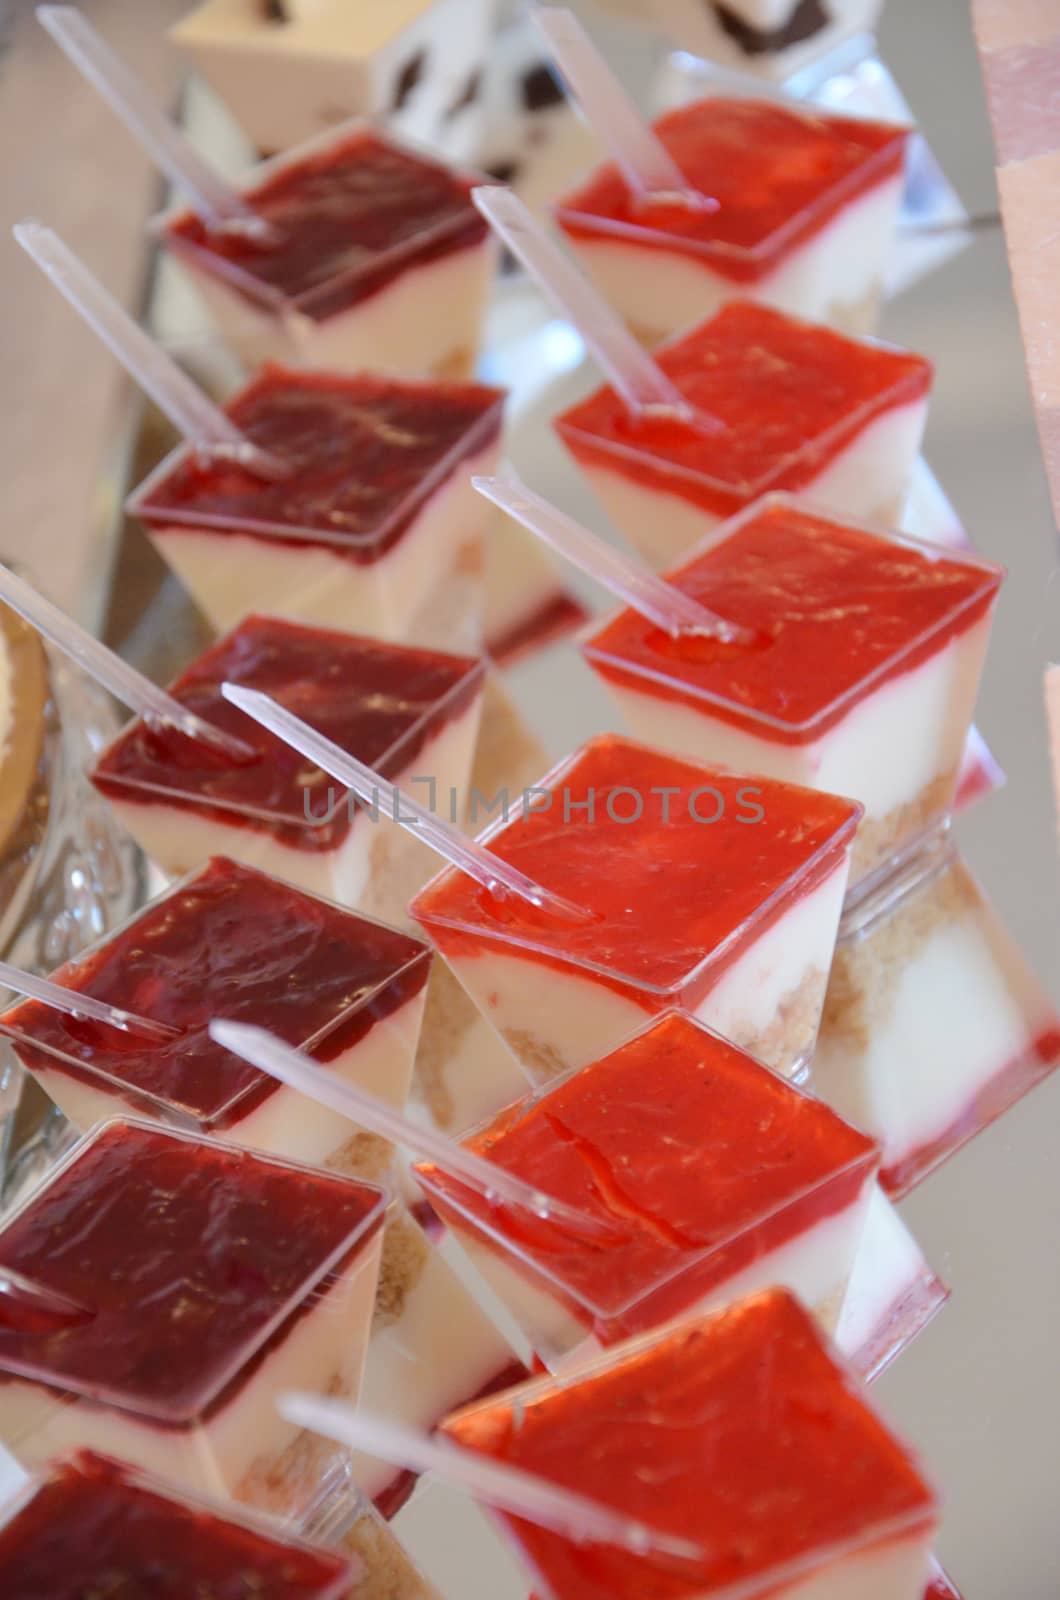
x,y
790,396
702,1159
96,1531
738,1432
366,453
232,943
778,175
346,221
381,702
187,1251
833,611
711,858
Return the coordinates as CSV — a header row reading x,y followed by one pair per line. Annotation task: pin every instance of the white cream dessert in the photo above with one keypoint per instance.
x,y
778,404
770,38
716,1177
207,1280
797,212
933,1024
698,889
409,714
372,528
229,942
290,70
367,238
527,604
892,1293
858,671
742,1434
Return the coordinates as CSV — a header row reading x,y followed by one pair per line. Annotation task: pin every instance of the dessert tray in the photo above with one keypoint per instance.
x,y
573,1216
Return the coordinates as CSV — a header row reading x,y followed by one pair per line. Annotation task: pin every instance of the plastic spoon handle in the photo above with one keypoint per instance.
x,y
645,163
73,1004
511,1489
101,663
668,607
498,877
216,201
27,1306
630,370
204,425
290,1066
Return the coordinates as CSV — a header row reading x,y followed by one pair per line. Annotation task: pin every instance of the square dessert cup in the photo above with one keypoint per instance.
x,y
213,1279
716,1177
933,1025
376,526
288,70
228,941
369,236
86,1523
740,1433
859,672
805,209
703,891
411,714
801,408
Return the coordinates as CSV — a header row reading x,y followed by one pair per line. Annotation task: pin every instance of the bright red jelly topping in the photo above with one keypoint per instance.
x,y
231,943
778,175
95,1530
738,1432
832,612
381,702
187,1252
689,883
702,1159
365,451
346,221
790,397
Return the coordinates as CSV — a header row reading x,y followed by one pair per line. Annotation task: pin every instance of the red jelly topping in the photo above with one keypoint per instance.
x,y
790,395
689,884
231,943
703,1159
833,611
778,175
188,1252
381,702
366,453
347,220
96,1529
737,1431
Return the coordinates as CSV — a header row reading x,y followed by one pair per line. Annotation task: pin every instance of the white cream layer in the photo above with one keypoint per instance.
x,y
376,868
887,1269
230,574
834,277
286,1124
867,481
213,1457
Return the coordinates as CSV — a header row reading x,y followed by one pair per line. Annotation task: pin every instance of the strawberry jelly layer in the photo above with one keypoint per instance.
x,y
778,175
186,1252
833,611
381,702
667,893
737,1432
365,453
791,396
704,1159
346,221
232,943
95,1528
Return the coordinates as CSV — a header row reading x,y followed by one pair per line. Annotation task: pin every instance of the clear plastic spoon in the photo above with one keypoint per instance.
x,y
217,202
509,1488
499,878
290,1066
641,383
205,426
101,663
27,1306
668,607
74,1004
